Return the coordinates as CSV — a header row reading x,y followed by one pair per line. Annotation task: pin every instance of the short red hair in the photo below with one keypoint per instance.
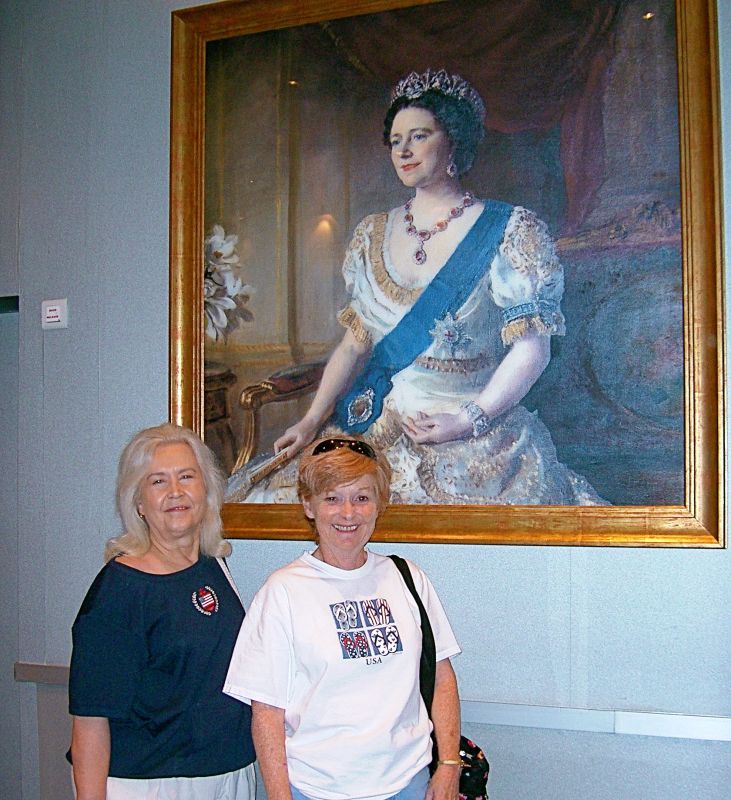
x,y
341,466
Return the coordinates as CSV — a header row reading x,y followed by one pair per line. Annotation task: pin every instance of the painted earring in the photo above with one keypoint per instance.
x,y
452,168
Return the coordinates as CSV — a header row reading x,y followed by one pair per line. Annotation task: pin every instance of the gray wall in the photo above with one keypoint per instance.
x,y
9,692
84,135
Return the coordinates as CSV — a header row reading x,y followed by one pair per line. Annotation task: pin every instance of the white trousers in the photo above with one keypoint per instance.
x,y
238,785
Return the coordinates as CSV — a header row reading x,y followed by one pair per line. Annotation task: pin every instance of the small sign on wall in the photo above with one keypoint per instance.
x,y
54,314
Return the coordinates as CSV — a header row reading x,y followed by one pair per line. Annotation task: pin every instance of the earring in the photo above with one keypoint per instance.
x,y
452,168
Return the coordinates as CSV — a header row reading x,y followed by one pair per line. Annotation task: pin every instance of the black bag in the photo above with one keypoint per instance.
x,y
475,766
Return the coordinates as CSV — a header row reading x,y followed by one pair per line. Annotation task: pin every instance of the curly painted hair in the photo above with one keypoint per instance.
x,y
456,116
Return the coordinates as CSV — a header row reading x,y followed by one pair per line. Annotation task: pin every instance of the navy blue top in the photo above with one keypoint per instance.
x,y
151,653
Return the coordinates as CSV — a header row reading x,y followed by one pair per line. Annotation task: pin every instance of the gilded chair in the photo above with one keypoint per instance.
x,y
288,383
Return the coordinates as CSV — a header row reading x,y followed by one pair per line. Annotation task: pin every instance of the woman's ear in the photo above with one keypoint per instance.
x,y
307,505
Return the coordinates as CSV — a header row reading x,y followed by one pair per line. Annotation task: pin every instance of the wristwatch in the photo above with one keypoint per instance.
x,y
480,421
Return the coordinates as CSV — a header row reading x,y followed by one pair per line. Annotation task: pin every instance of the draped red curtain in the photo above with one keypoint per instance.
x,y
536,63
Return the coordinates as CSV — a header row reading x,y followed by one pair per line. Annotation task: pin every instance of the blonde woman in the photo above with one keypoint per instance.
x,y
153,638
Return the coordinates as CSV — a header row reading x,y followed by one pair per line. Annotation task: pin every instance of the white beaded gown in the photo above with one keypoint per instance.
x,y
514,462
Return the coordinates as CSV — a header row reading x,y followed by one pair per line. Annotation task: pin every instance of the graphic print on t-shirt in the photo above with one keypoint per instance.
x,y
205,600
366,628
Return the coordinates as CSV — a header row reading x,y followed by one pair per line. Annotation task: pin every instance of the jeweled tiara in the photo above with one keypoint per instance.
x,y
414,85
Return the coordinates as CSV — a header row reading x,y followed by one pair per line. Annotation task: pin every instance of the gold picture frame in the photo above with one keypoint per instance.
x,y
698,522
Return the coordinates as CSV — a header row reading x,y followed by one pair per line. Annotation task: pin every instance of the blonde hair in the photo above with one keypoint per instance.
x,y
133,465
341,465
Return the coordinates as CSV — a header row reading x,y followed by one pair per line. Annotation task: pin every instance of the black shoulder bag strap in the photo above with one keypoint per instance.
x,y
428,663
475,766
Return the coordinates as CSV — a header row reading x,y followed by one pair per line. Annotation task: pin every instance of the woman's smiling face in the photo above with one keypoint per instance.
x,y
420,148
345,518
172,494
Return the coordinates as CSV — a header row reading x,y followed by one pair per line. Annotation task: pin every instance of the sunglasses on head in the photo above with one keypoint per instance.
x,y
328,445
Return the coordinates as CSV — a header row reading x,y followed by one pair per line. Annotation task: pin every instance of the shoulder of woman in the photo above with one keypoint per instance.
x,y
362,237
277,582
528,244
368,223
417,573
525,219
139,563
111,594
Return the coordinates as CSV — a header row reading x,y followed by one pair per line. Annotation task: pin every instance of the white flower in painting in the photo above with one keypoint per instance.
x,y
220,249
216,308
224,294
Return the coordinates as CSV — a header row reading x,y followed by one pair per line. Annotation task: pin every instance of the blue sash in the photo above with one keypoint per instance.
x,y
446,293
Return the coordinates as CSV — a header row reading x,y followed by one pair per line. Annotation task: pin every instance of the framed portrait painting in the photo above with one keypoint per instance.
x,y
568,305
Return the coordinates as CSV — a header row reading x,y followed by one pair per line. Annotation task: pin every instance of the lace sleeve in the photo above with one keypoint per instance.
x,y
354,268
527,279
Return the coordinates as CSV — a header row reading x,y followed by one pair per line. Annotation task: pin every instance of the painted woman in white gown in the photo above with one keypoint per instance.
x,y
453,301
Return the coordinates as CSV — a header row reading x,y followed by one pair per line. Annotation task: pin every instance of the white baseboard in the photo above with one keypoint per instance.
x,y
641,723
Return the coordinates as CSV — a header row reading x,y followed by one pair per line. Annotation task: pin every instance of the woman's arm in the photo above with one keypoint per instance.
x,y
444,784
267,728
338,374
521,367
90,750
523,364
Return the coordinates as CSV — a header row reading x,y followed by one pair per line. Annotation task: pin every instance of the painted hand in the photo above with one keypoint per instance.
x,y
435,428
296,437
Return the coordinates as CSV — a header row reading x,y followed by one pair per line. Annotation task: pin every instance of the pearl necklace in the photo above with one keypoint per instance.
x,y
419,255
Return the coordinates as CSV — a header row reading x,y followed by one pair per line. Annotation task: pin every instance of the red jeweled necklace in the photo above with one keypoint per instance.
x,y
441,225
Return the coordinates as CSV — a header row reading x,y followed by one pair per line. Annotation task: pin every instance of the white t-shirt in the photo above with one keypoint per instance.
x,y
339,651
